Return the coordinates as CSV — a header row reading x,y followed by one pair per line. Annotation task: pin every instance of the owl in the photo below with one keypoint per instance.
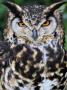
x,y
35,58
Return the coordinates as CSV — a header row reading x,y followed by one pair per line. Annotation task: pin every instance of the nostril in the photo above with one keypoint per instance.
x,y
34,34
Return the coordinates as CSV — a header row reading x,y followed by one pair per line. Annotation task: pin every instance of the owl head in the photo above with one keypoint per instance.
x,y
33,23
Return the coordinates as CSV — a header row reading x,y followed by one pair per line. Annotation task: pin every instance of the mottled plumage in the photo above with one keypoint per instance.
x,y
35,58
25,67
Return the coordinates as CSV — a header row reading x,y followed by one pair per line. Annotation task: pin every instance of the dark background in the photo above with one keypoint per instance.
x,y
3,12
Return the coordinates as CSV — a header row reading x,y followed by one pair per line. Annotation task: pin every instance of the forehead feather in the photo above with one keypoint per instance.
x,y
34,11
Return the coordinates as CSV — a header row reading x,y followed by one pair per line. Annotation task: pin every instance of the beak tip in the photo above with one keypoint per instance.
x,y
34,34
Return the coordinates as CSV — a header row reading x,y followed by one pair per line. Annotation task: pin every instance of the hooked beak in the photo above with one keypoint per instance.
x,y
34,34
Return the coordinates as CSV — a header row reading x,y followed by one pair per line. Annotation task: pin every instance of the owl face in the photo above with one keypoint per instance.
x,y
33,23
33,30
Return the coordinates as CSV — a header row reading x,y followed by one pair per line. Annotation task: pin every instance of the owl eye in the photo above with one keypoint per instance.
x,y
46,23
21,24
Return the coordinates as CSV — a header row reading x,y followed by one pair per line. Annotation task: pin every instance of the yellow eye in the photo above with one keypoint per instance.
x,y
21,24
46,23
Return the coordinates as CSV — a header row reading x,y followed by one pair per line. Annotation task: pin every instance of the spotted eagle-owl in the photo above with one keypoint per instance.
x,y
37,59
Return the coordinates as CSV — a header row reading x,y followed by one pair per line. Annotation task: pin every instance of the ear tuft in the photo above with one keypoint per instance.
x,y
14,8
50,10
55,6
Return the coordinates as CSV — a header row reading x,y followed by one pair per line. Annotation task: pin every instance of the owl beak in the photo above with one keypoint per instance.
x,y
34,34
